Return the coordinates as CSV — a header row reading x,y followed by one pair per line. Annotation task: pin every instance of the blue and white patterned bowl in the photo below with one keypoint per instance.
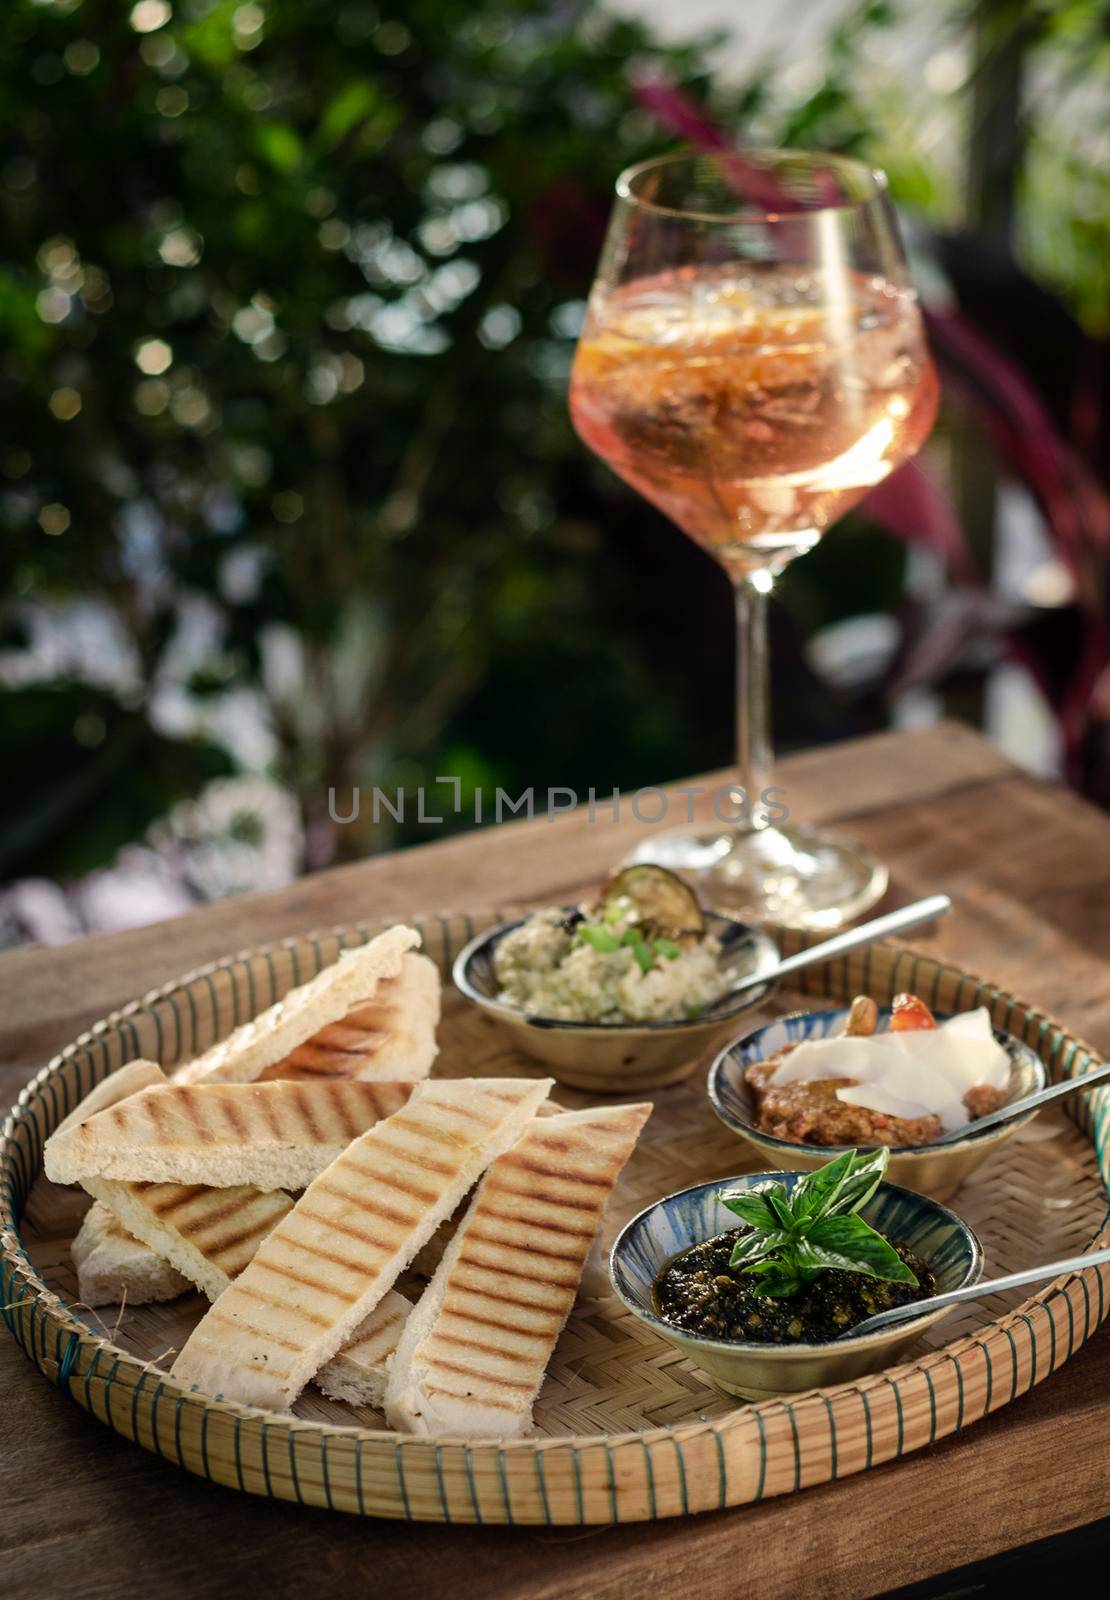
x,y
935,1170
617,1057
756,1371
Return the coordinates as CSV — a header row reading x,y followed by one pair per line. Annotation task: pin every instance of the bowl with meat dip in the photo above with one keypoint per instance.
x,y
808,1085
630,992
671,1267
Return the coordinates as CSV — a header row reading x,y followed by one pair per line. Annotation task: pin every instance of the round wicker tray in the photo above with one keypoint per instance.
x,y
626,1429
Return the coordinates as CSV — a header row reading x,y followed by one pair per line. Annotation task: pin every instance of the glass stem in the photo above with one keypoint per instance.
x,y
753,740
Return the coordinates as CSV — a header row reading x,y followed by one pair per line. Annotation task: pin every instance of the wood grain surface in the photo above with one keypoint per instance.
x,y
87,1514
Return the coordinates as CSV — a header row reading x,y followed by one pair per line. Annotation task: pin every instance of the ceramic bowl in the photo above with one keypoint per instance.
x,y
614,1057
758,1371
935,1170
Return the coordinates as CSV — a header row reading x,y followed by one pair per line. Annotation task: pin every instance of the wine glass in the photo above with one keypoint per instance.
x,y
753,362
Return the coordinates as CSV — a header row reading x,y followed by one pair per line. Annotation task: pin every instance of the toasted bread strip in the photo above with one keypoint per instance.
x,y
350,981
127,1081
473,1355
391,1035
114,1268
330,1261
358,1373
269,1135
210,1235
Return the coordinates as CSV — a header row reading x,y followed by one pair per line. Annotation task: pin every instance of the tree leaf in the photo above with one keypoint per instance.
x,y
849,1244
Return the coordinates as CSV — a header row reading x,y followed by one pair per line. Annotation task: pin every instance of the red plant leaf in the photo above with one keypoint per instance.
x,y
912,505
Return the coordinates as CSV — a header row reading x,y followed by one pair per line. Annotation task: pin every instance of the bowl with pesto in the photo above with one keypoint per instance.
x,y
627,992
804,1087
760,1279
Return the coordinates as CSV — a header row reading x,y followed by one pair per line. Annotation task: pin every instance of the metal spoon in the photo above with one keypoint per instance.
x,y
878,928
1029,1102
976,1291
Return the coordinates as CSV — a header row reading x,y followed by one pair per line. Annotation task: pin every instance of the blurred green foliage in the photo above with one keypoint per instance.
x,y
287,305
289,302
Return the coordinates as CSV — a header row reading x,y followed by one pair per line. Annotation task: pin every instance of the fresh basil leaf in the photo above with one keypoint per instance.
x,y
843,1184
775,1279
849,1244
776,1193
816,1191
752,1206
755,1246
862,1181
599,938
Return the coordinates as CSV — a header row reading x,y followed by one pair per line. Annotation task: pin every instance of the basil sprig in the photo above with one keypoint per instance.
x,y
792,1237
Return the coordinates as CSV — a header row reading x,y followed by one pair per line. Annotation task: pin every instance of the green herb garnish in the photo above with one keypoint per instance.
x,y
667,949
592,933
793,1237
636,942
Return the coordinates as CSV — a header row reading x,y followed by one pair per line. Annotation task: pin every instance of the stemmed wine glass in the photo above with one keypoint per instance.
x,y
753,362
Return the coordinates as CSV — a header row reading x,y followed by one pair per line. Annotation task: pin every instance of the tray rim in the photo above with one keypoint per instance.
x,y
614,1504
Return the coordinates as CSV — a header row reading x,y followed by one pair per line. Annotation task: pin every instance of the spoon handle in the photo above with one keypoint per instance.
x,y
976,1291
878,928
1030,1102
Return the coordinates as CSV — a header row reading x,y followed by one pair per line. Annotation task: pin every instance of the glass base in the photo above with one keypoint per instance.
x,y
801,877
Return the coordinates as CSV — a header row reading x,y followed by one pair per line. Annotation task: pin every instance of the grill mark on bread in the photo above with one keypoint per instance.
x,y
544,1227
522,1249
513,1357
426,1196
317,1285
250,1327
215,1248
465,1260
482,1377
343,1262
502,1324
404,1219
527,1165
424,1160
386,1246
423,1129
284,1306
502,1298
344,1111
302,1101
234,1116
167,1203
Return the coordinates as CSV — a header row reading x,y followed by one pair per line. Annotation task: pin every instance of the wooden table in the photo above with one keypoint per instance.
x,y
87,1514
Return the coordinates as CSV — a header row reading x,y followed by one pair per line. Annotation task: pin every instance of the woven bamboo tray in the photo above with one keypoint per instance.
x,y
626,1429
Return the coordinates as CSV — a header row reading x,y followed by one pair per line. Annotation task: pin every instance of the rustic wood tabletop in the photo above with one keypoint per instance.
x,y
1028,866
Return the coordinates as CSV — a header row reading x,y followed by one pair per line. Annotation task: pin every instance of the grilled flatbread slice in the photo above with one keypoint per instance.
x,y
127,1081
354,1230
351,981
114,1268
358,1373
269,1135
391,1035
472,1358
210,1235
